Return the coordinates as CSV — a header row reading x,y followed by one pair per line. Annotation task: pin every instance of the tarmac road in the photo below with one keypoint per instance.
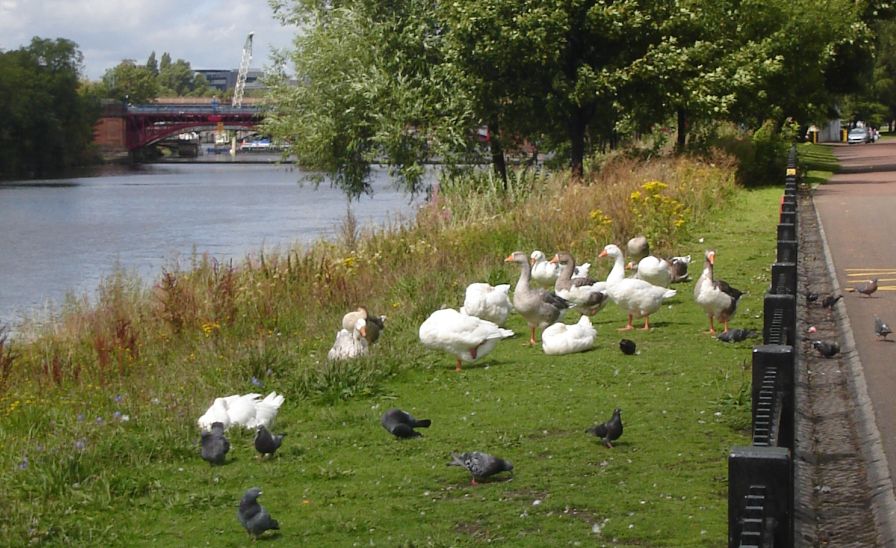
x,y
857,210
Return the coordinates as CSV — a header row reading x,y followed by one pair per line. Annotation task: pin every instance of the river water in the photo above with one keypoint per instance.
x,y
64,236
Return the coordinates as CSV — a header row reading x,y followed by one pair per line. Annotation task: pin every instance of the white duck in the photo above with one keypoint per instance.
x,y
245,410
487,302
560,338
538,307
654,270
467,337
350,344
638,298
717,297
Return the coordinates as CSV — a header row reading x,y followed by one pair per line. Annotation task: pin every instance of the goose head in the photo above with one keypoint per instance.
x,y
537,257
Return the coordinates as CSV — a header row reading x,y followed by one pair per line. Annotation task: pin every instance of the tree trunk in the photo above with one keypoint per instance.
x,y
681,138
499,163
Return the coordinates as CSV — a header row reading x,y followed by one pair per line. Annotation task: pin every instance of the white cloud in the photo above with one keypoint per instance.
x,y
207,33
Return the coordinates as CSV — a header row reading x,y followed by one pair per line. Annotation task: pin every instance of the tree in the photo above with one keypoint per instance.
x,y
130,82
47,124
152,64
177,78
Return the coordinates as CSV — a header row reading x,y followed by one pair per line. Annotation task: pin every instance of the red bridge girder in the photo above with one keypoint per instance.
x,y
147,125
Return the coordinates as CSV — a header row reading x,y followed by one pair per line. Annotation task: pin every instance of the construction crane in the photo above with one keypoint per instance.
x,y
243,73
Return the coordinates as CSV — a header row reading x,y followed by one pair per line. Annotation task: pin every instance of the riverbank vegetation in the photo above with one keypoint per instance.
x,y
98,408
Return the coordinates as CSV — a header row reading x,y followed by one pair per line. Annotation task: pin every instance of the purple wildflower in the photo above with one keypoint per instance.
x,y
256,381
80,417
24,464
116,415
80,444
118,398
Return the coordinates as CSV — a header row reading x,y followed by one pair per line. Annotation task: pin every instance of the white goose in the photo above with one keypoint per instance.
x,y
350,344
467,337
638,298
654,270
560,338
487,302
717,297
245,410
617,273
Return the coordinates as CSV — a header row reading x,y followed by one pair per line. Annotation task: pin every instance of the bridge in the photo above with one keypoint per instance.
x,y
127,128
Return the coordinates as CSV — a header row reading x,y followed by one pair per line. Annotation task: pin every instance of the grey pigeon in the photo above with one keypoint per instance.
x,y
627,346
214,445
866,288
481,465
402,424
881,328
736,335
826,349
265,442
830,300
253,516
609,431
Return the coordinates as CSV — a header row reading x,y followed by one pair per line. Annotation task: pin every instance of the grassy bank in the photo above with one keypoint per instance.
x,y
97,413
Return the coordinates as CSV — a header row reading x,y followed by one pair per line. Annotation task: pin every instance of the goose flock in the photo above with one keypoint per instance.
x,y
547,289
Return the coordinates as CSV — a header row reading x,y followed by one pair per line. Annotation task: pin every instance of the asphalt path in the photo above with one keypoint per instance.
x,y
857,210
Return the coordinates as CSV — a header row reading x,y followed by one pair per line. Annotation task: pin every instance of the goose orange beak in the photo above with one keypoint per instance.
x,y
603,253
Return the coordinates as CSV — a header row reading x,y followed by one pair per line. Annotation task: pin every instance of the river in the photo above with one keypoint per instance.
x,y
63,236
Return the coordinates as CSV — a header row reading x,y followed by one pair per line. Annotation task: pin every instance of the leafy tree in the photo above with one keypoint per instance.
x,y
130,82
165,62
47,124
177,78
152,64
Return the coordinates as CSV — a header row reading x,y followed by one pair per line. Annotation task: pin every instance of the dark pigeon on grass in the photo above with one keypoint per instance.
x,y
214,445
627,346
866,288
481,465
826,349
402,424
736,335
267,443
830,300
881,328
253,516
609,431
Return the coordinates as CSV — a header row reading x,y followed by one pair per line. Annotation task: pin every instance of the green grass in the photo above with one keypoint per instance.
x,y
340,479
817,163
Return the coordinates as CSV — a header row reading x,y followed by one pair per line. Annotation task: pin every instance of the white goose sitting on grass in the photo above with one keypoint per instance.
x,y
350,344
560,338
467,337
248,411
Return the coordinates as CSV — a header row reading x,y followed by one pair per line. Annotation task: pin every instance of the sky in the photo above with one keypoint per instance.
x,y
209,34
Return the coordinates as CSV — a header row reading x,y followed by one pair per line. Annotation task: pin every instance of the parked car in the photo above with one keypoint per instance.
x,y
858,135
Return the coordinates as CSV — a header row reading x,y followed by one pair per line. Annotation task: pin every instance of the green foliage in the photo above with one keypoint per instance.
x,y
130,82
47,123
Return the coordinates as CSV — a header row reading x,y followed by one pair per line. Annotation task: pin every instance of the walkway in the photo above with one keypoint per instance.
x,y
857,213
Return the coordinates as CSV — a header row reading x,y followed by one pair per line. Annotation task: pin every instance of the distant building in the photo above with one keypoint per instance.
x,y
225,79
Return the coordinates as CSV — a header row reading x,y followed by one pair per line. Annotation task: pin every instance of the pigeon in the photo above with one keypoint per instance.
x,y
609,431
401,424
866,288
214,446
811,296
826,349
736,335
267,443
480,465
881,328
830,300
253,516
627,346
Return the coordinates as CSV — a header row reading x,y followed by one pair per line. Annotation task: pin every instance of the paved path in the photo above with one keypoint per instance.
x,y
857,210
